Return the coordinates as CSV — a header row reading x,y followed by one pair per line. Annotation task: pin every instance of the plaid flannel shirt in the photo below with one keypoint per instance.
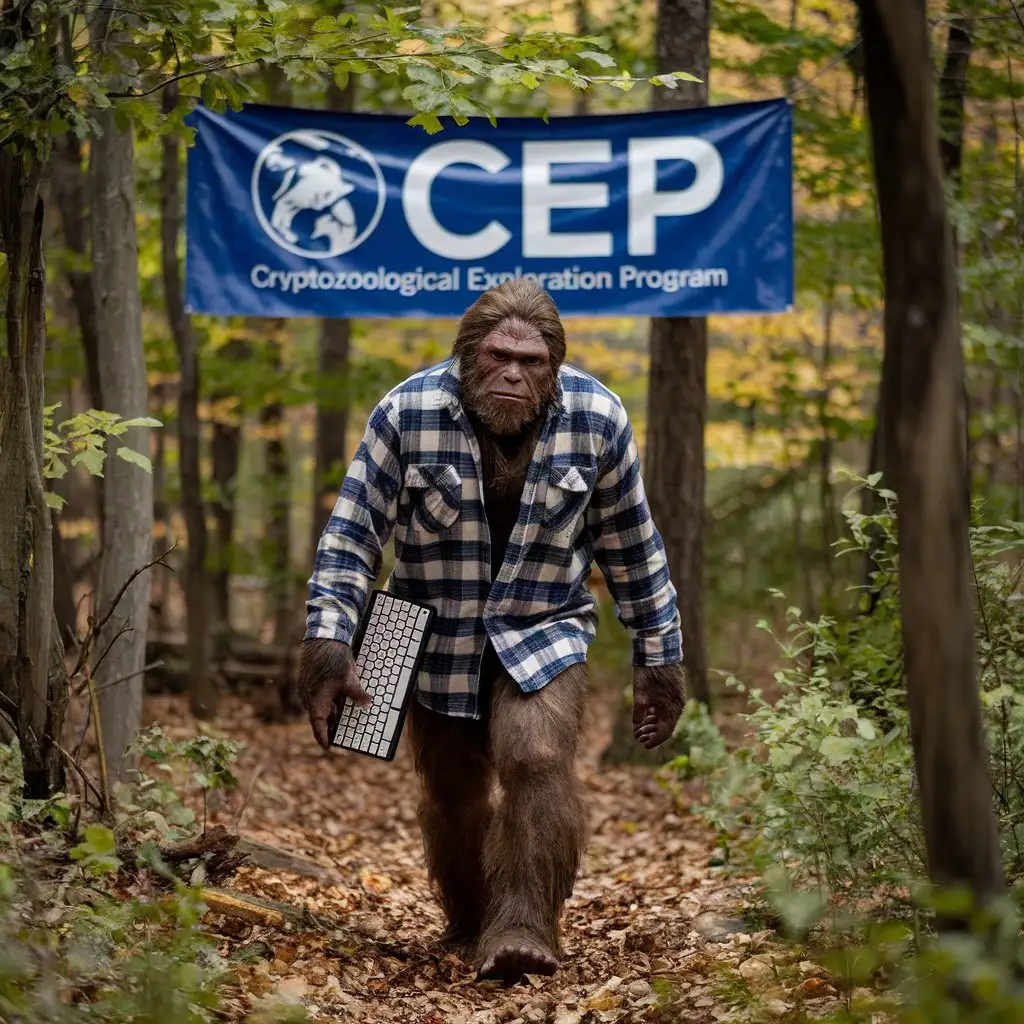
x,y
416,476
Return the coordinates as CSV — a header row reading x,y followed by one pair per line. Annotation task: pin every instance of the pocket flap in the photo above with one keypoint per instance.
x,y
441,475
569,478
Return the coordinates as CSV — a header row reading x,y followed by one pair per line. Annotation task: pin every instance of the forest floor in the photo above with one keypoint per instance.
x,y
654,931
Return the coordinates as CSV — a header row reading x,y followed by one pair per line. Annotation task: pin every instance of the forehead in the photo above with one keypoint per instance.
x,y
515,338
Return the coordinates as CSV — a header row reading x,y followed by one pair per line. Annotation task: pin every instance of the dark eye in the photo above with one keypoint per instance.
x,y
530,361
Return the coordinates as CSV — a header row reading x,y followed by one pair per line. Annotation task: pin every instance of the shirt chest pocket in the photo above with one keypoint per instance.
x,y
569,488
435,495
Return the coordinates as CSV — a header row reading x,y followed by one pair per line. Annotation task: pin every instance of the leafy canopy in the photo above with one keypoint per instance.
x,y
64,60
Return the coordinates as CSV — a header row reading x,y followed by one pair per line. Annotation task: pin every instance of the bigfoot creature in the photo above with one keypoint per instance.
x,y
502,475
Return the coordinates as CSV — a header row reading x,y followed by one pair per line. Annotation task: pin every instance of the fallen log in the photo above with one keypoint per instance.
x,y
241,906
227,850
274,858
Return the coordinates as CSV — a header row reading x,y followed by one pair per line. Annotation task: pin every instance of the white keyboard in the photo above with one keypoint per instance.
x,y
388,646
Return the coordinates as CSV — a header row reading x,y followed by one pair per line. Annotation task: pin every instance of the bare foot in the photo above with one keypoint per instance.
x,y
508,957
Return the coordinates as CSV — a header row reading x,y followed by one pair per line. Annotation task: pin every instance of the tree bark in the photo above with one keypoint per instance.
x,y
226,449
29,637
332,401
677,391
202,692
277,469
952,92
128,490
581,16
923,418
70,190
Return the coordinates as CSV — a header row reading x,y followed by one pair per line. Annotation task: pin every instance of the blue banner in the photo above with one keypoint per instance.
x,y
302,213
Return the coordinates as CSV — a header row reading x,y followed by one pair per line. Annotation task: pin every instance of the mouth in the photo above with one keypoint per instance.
x,y
507,396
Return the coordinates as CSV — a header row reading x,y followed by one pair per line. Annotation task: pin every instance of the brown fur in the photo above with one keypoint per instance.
x,y
533,849
663,689
319,662
520,300
453,762
517,310
506,870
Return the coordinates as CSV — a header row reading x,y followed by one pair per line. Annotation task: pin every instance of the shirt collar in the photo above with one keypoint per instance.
x,y
448,392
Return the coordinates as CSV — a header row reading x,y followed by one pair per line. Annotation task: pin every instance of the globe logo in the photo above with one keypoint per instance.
x,y
316,193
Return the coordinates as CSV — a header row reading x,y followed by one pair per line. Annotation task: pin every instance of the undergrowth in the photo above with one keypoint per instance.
x,y
93,925
824,803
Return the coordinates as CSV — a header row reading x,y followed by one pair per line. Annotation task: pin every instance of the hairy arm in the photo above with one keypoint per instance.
x,y
629,551
347,562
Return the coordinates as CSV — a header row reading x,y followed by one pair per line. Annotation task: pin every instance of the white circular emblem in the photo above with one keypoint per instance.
x,y
316,193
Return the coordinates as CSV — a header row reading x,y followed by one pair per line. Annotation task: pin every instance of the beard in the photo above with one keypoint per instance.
x,y
502,417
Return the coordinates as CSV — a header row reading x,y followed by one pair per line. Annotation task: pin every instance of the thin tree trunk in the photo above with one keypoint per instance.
x,y
952,92
332,400
29,637
202,692
277,470
128,490
277,466
827,493
160,587
677,391
923,419
226,449
581,16
70,190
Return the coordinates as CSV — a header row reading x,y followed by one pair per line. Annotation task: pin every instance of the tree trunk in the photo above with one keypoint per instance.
x,y
677,391
33,696
202,692
128,490
277,469
952,92
332,400
581,16
226,449
70,190
923,418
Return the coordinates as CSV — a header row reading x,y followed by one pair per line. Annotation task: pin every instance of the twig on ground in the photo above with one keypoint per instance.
x,y
81,773
257,772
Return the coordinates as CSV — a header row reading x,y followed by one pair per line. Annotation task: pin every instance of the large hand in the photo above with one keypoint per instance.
x,y
658,698
327,676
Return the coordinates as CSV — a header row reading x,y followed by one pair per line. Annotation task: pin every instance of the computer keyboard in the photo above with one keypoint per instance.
x,y
388,647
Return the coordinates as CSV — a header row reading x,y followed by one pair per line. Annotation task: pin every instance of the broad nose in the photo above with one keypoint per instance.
x,y
513,373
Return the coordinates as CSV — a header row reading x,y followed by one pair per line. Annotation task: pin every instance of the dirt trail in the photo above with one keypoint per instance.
x,y
636,946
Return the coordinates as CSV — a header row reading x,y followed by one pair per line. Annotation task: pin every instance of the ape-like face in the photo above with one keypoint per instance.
x,y
508,377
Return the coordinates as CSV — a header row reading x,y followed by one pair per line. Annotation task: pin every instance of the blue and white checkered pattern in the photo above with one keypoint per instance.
x,y
416,475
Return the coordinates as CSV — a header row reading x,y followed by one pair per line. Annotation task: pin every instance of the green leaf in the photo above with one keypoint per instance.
x,y
135,458
429,122
325,24
92,459
866,729
54,501
141,421
602,59
836,749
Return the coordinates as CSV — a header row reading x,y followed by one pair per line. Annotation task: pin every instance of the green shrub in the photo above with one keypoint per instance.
x,y
828,788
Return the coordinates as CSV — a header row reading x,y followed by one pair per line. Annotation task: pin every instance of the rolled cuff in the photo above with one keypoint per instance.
x,y
655,649
330,625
